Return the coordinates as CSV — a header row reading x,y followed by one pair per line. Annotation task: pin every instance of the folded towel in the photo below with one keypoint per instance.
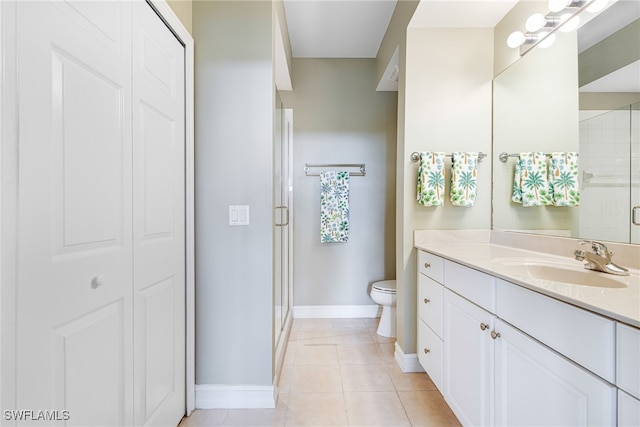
x,y
532,181
463,178
563,177
430,189
334,206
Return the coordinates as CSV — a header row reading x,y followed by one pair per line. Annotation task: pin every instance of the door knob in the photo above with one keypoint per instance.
x,y
484,326
427,300
97,281
426,351
495,334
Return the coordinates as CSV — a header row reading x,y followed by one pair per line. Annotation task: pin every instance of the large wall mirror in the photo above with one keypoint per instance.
x,y
581,94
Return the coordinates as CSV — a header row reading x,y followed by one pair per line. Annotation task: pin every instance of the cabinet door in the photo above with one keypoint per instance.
x,y
628,410
468,361
536,386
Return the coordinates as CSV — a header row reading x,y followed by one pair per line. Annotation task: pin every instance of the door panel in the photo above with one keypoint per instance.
x,y
159,222
75,262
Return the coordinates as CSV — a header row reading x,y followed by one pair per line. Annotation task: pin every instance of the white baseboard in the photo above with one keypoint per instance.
x,y
335,311
213,396
407,362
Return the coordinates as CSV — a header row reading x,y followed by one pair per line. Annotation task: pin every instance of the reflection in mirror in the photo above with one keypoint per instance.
x,y
576,95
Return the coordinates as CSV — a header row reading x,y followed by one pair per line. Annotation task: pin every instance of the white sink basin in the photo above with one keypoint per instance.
x,y
556,271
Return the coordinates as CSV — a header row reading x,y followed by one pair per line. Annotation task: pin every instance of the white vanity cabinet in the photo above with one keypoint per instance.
x,y
499,367
469,364
534,385
430,304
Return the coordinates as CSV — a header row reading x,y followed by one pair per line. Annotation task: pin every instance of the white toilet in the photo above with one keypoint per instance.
x,y
384,294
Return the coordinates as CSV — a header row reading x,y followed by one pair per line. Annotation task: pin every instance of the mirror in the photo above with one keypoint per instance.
x,y
581,94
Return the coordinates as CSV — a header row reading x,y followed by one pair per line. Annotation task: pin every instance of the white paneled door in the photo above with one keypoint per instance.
x,y
100,288
158,220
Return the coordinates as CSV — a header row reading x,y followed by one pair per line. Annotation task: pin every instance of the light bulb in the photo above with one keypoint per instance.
x,y
548,39
568,23
535,22
597,6
515,39
557,5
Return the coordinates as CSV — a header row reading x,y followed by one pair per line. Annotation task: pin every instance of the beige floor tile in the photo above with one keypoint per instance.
x,y
365,378
387,351
359,353
255,417
349,324
380,339
375,409
313,323
311,333
204,417
286,379
316,354
315,378
409,381
427,408
315,409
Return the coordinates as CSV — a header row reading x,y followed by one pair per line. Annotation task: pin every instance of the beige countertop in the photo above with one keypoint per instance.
x,y
490,251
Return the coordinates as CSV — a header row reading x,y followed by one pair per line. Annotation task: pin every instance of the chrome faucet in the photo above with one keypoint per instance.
x,y
599,259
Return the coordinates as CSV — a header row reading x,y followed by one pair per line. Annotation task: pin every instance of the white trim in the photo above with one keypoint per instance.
x,y
213,396
170,18
335,311
407,362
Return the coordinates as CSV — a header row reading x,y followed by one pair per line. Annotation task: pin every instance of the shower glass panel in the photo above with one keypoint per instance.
x,y
609,174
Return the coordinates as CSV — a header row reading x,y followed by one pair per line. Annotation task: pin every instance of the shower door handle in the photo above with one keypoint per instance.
x,y
283,224
635,217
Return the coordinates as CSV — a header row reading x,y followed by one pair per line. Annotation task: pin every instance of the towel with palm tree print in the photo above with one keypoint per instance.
x,y
563,177
334,206
463,178
530,182
430,189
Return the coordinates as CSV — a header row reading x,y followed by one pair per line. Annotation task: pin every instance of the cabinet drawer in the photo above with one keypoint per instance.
x,y
475,286
430,296
628,410
584,337
430,265
628,359
430,353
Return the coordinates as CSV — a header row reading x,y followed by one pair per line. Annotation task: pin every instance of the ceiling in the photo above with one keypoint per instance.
x,y
355,28
337,28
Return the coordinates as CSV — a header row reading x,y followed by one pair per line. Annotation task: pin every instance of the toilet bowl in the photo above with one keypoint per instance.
x,y
384,293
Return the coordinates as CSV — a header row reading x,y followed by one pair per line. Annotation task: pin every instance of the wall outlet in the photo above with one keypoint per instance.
x,y
238,215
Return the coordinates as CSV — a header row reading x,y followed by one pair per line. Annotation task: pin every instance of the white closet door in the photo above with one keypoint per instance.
x,y
159,222
74,301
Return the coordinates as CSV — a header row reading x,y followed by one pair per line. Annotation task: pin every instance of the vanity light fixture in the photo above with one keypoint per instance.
x,y
563,15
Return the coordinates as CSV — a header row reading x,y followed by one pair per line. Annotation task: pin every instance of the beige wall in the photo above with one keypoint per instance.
x,y
338,117
447,106
183,9
395,35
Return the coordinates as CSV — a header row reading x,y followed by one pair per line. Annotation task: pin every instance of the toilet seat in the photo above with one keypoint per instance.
x,y
385,286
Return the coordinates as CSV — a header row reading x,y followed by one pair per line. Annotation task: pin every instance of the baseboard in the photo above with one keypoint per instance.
x,y
335,311
213,396
407,362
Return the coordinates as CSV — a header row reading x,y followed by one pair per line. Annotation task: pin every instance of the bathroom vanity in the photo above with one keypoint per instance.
x,y
513,336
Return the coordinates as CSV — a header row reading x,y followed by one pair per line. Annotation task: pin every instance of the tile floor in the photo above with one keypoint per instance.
x,y
339,372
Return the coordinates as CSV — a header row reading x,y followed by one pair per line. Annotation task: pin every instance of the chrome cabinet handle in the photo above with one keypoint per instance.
x,y
484,326
634,215
427,300
495,334
426,351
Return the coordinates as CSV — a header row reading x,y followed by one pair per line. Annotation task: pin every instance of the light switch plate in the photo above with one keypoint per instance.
x,y
238,215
